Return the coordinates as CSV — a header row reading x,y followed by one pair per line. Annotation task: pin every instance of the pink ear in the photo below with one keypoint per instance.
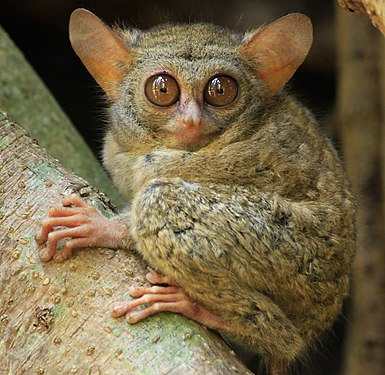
x,y
101,50
279,49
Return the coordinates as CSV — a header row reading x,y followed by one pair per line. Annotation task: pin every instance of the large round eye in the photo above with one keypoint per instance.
x,y
162,90
221,91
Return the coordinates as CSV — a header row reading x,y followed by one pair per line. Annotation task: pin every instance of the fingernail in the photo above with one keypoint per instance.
x,y
118,309
44,256
58,258
132,317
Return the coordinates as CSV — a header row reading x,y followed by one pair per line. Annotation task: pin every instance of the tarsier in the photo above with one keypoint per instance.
x,y
236,200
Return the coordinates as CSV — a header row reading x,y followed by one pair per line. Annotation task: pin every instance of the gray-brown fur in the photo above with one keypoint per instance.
x,y
256,221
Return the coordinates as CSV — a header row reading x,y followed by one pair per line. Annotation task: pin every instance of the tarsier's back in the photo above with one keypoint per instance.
x,y
234,191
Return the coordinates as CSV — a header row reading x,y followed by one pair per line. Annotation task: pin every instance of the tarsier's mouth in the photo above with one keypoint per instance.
x,y
194,138
189,136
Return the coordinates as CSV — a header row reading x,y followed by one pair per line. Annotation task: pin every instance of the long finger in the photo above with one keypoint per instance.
x,y
122,308
63,211
76,200
70,245
156,289
140,314
184,306
48,224
56,236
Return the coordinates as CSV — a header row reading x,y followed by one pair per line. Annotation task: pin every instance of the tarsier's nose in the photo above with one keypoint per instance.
x,y
192,116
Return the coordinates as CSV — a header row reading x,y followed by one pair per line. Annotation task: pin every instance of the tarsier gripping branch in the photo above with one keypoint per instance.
x,y
235,199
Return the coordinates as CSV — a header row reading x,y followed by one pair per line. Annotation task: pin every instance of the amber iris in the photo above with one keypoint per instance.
x,y
162,90
221,91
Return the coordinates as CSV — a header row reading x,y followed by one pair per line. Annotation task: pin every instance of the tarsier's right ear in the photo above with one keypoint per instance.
x,y
279,48
102,51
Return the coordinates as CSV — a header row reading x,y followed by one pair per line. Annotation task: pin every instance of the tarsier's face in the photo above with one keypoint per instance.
x,y
188,84
190,108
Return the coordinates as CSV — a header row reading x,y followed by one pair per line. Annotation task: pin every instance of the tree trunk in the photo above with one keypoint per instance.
x,y
361,117
55,317
23,94
374,9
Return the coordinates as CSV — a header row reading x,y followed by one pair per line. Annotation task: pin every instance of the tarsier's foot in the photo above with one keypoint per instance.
x,y
81,225
164,298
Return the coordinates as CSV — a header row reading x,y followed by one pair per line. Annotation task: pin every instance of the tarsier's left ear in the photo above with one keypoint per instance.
x,y
102,51
279,48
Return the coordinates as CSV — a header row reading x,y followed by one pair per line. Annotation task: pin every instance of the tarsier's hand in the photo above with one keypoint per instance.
x,y
164,295
81,224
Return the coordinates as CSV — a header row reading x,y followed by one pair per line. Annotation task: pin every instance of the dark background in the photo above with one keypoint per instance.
x,y
39,28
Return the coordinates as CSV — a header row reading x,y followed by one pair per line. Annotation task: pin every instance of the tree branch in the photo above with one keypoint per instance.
x,y
374,9
55,317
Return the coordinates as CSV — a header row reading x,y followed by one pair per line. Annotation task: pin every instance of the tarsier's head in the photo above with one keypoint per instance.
x,y
187,84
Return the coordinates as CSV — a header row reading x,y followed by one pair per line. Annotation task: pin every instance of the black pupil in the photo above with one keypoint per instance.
x,y
163,90
220,90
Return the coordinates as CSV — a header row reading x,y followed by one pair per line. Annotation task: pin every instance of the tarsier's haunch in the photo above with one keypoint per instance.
x,y
236,200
